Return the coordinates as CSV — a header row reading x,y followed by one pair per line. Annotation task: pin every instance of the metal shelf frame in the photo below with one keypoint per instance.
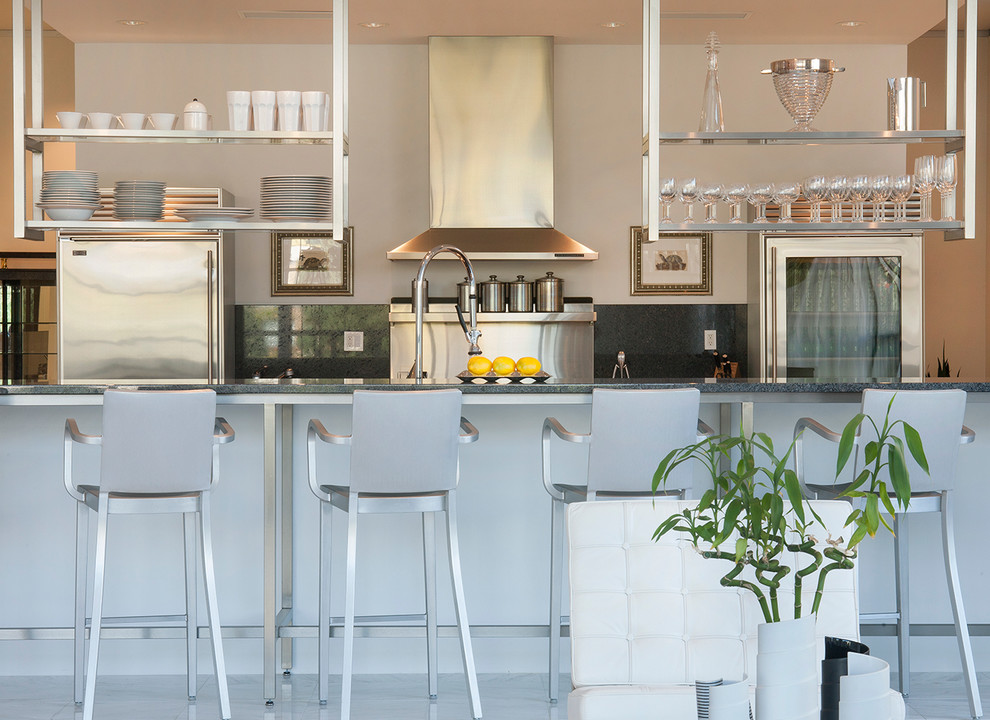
x,y
30,137
953,138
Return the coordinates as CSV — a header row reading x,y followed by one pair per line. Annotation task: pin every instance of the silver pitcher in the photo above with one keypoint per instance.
x,y
905,98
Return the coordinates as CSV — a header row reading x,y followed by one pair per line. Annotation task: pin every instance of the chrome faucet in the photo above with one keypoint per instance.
x,y
419,300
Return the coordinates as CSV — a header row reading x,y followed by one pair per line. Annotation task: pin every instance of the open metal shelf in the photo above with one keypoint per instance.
x,y
35,137
951,138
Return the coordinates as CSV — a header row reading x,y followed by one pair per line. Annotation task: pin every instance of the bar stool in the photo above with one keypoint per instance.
x,y
938,417
159,454
403,458
631,432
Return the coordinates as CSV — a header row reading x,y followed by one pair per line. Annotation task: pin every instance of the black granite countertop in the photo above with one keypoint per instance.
x,y
550,386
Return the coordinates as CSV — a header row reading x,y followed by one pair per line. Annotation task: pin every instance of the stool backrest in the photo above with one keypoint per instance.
x,y
632,431
157,441
405,441
937,415
646,613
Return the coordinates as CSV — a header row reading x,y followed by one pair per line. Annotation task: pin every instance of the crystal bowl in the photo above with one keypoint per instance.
x,y
802,84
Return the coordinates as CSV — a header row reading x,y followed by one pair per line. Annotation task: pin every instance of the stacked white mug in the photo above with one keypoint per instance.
x,y
313,104
288,110
264,109
239,109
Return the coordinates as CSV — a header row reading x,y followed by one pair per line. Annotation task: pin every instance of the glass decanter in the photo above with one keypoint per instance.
x,y
711,103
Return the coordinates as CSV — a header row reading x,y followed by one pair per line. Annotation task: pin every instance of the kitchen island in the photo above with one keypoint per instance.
x,y
266,527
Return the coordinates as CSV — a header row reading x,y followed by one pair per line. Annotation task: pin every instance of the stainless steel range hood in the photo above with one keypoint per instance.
x,y
491,152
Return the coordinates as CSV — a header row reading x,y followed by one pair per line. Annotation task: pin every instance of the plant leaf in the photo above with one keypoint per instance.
x,y
899,478
913,439
794,495
847,441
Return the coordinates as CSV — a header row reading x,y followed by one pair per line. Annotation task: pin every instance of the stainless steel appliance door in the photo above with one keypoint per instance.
x,y
847,308
137,310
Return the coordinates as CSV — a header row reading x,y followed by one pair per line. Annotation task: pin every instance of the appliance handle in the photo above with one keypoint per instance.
x,y
209,316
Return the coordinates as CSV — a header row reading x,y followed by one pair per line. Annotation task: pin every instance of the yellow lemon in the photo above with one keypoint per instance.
x,y
479,365
503,365
528,366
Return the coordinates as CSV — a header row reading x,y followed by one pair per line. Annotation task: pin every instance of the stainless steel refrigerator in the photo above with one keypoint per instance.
x,y
150,308
840,306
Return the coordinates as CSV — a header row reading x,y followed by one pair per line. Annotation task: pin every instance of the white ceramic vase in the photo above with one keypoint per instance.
x,y
787,670
864,694
729,701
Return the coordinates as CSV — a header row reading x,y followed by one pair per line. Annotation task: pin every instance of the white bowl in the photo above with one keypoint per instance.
x,y
70,120
69,213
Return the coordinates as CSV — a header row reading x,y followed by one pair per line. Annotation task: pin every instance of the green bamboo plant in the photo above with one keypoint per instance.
x,y
756,510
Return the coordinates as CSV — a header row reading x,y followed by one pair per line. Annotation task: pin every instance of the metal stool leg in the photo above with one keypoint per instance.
x,y
79,624
903,607
430,578
212,607
189,544
94,633
556,585
348,669
467,654
958,611
326,513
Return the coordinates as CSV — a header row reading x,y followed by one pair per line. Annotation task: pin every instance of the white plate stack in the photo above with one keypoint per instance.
x,y
296,197
138,200
69,194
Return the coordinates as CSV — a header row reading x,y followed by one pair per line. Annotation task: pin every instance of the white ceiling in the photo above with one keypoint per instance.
x,y
570,21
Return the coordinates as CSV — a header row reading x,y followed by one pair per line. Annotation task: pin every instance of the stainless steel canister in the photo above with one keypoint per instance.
x,y
905,98
492,295
549,294
520,295
464,295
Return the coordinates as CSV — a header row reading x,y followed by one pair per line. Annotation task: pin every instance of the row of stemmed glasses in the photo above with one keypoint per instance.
x,y
930,173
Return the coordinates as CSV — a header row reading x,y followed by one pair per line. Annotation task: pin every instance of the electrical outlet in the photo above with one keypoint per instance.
x,y
353,341
710,340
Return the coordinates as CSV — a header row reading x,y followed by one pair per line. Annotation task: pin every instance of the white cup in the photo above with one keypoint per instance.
x,y
312,106
288,110
162,121
132,121
239,109
100,120
263,102
326,111
70,120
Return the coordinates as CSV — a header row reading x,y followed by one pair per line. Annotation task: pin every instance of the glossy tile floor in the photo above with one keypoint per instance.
x,y
934,696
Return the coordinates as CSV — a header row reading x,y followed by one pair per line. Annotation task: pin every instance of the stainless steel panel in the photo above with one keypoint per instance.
x,y
137,310
564,343
491,132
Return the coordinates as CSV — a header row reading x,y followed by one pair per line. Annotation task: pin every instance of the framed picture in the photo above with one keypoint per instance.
x,y
311,263
679,264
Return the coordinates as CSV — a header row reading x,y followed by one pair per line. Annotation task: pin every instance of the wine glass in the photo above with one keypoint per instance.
x,y
736,194
837,192
687,189
879,194
859,191
710,194
901,188
814,189
945,181
759,195
668,193
924,182
787,193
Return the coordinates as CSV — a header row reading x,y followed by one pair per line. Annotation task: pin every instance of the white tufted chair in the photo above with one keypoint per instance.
x,y
649,618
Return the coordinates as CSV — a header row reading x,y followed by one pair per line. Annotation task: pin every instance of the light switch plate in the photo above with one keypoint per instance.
x,y
353,341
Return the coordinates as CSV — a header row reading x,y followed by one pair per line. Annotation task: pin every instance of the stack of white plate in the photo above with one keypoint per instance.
x,y
138,200
296,197
198,213
69,194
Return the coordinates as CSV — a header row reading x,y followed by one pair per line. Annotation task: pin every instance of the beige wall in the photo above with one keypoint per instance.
x,y
598,129
956,272
59,91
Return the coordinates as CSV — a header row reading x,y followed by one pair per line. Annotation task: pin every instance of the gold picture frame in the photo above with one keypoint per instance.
x,y
312,263
680,264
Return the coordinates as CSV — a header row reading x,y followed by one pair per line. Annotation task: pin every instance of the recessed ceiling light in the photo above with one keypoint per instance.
x,y
374,25
850,23
132,23
611,25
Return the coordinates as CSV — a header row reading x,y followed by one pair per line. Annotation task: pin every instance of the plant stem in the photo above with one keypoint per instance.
x,y
729,580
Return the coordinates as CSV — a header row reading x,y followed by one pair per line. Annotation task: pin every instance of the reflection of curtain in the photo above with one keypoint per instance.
x,y
843,316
